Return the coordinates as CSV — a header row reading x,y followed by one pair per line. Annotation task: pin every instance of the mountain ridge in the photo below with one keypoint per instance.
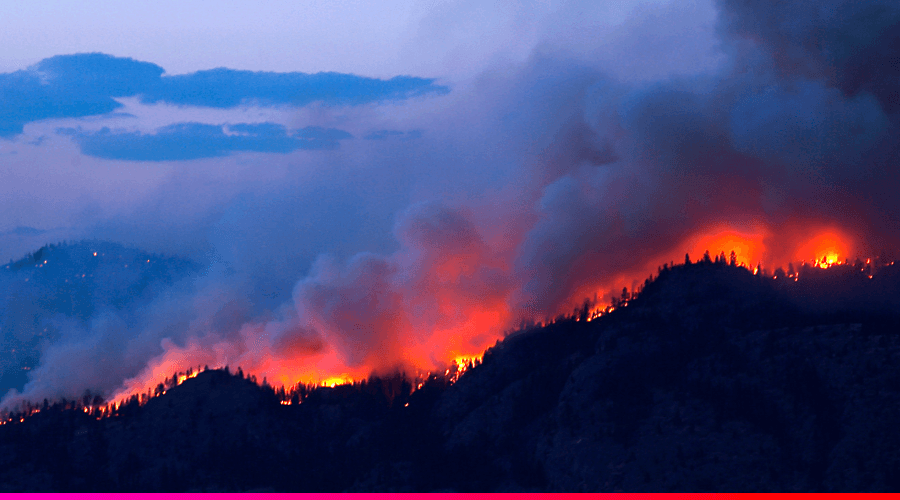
x,y
71,282
711,379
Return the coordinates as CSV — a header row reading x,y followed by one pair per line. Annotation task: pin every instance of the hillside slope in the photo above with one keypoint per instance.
x,y
711,380
71,282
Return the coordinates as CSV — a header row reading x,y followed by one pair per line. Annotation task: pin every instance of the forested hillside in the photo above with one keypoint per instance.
x,y
713,378
71,282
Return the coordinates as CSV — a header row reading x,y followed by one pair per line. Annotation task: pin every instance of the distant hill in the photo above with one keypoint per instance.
x,y
713,379
74,280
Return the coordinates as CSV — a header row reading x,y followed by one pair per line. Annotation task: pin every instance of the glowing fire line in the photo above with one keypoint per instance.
x,y
825,251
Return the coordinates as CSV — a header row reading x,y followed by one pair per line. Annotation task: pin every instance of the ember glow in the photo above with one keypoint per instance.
x,y
749,247
295,392
756,248
826,249
454,337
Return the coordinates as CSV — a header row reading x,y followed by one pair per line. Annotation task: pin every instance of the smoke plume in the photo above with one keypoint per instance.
x,y
524,190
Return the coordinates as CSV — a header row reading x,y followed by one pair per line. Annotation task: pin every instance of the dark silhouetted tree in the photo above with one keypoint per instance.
x,y
86,398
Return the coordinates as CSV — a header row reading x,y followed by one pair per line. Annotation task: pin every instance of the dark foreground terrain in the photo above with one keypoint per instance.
x,y
712,379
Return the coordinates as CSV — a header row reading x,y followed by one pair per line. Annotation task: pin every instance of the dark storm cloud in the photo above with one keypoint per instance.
x,y
190,141
80,85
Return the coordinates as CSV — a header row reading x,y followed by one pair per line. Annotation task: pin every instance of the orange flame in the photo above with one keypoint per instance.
x,y
473,327
748,245
825,249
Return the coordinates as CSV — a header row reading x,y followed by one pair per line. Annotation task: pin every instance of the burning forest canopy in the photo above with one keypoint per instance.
x,y
711,378
292,216
854,291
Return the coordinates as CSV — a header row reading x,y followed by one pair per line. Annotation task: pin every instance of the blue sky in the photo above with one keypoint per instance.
x,y
185,36
105,98
431,38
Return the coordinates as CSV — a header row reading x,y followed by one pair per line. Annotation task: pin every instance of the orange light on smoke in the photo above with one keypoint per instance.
x,y
336,381
825,249
748,246
463,327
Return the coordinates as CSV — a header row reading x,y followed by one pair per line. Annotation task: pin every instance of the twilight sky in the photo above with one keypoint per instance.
x,y
432,38
447,168
88,138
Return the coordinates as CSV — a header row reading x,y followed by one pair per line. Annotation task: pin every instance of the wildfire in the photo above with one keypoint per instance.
x,y
825,249
756,249
747,247
827,261
185,376
460,366
336,381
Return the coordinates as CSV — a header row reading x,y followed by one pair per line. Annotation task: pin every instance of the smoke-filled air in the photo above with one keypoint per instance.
x,y
487,165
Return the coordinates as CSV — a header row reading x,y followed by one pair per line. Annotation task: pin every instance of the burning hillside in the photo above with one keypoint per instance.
x,y
711,378
297,367
476,326
418,231
848,276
